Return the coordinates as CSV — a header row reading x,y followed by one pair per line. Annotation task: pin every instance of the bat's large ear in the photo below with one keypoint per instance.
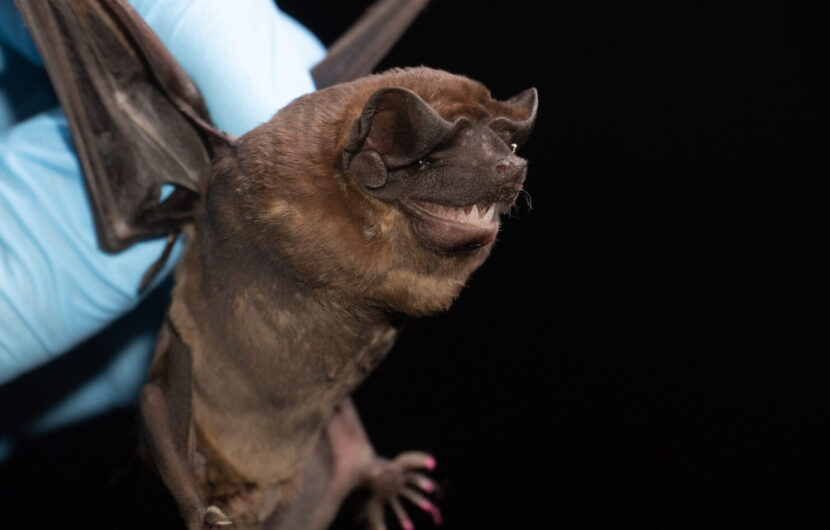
x,y
137,120
395,129
524,105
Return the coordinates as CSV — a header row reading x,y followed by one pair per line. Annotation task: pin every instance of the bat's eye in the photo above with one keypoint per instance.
x,y
514,147
422,164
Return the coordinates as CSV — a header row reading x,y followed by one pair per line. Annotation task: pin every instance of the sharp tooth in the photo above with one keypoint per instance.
x,y
474,215
488,216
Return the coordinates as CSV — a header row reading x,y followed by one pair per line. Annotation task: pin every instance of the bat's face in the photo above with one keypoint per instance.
x,y
405,204
452,179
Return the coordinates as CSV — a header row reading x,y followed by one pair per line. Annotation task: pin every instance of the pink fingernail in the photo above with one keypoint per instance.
x,y
427,487
436,515
430,463
407,525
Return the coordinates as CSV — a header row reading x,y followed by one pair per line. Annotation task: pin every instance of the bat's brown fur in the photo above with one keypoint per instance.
x,y
291,290
331,230
315,236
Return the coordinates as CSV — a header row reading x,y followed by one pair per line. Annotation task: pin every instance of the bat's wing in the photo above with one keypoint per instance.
x,y
139,122
136,118
366,42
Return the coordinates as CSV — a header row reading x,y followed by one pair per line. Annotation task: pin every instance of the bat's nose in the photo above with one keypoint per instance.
x,y
512,169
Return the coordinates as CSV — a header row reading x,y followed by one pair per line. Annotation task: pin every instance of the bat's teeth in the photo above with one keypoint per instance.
x,y
488,215
478,214
447,212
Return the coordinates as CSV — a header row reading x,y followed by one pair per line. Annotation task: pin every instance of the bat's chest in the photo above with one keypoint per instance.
x,y
257,432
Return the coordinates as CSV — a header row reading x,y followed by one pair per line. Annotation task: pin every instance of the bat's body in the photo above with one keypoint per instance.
x,y
296,281
314,237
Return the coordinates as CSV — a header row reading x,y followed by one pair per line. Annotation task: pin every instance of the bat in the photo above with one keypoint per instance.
x,y
311,241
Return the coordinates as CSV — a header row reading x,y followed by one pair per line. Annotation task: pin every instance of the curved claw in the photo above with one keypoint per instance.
x,y
391,480
416,459
214,516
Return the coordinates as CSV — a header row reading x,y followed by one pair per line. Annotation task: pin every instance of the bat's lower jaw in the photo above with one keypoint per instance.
x,y
454,228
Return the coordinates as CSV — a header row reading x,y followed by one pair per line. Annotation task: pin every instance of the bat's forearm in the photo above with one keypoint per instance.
x,y
171,456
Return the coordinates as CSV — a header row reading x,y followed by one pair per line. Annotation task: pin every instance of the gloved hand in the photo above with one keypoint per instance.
x,y
57,289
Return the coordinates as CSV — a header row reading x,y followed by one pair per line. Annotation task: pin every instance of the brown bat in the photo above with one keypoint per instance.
x,y
311,240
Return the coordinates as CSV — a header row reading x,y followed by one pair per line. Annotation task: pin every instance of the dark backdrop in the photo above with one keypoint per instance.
x,y
643,349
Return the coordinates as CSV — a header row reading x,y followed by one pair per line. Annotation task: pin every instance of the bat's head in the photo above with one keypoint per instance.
x,y
404,203
453,177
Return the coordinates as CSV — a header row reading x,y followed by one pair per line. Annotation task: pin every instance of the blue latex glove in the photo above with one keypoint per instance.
x,y
57,289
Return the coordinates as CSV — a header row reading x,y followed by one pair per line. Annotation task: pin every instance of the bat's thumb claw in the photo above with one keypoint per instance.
x,y
216,517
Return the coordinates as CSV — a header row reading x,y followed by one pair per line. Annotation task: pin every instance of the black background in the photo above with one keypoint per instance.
x,y
643,349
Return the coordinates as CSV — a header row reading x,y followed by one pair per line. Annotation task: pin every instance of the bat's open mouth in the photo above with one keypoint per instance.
x,y
455,227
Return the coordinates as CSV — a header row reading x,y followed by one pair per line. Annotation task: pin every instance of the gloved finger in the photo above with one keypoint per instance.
x,y
86,381
90,379
57,288
248,59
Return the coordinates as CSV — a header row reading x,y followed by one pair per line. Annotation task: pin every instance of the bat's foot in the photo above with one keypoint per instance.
x,y
391,480
215,519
